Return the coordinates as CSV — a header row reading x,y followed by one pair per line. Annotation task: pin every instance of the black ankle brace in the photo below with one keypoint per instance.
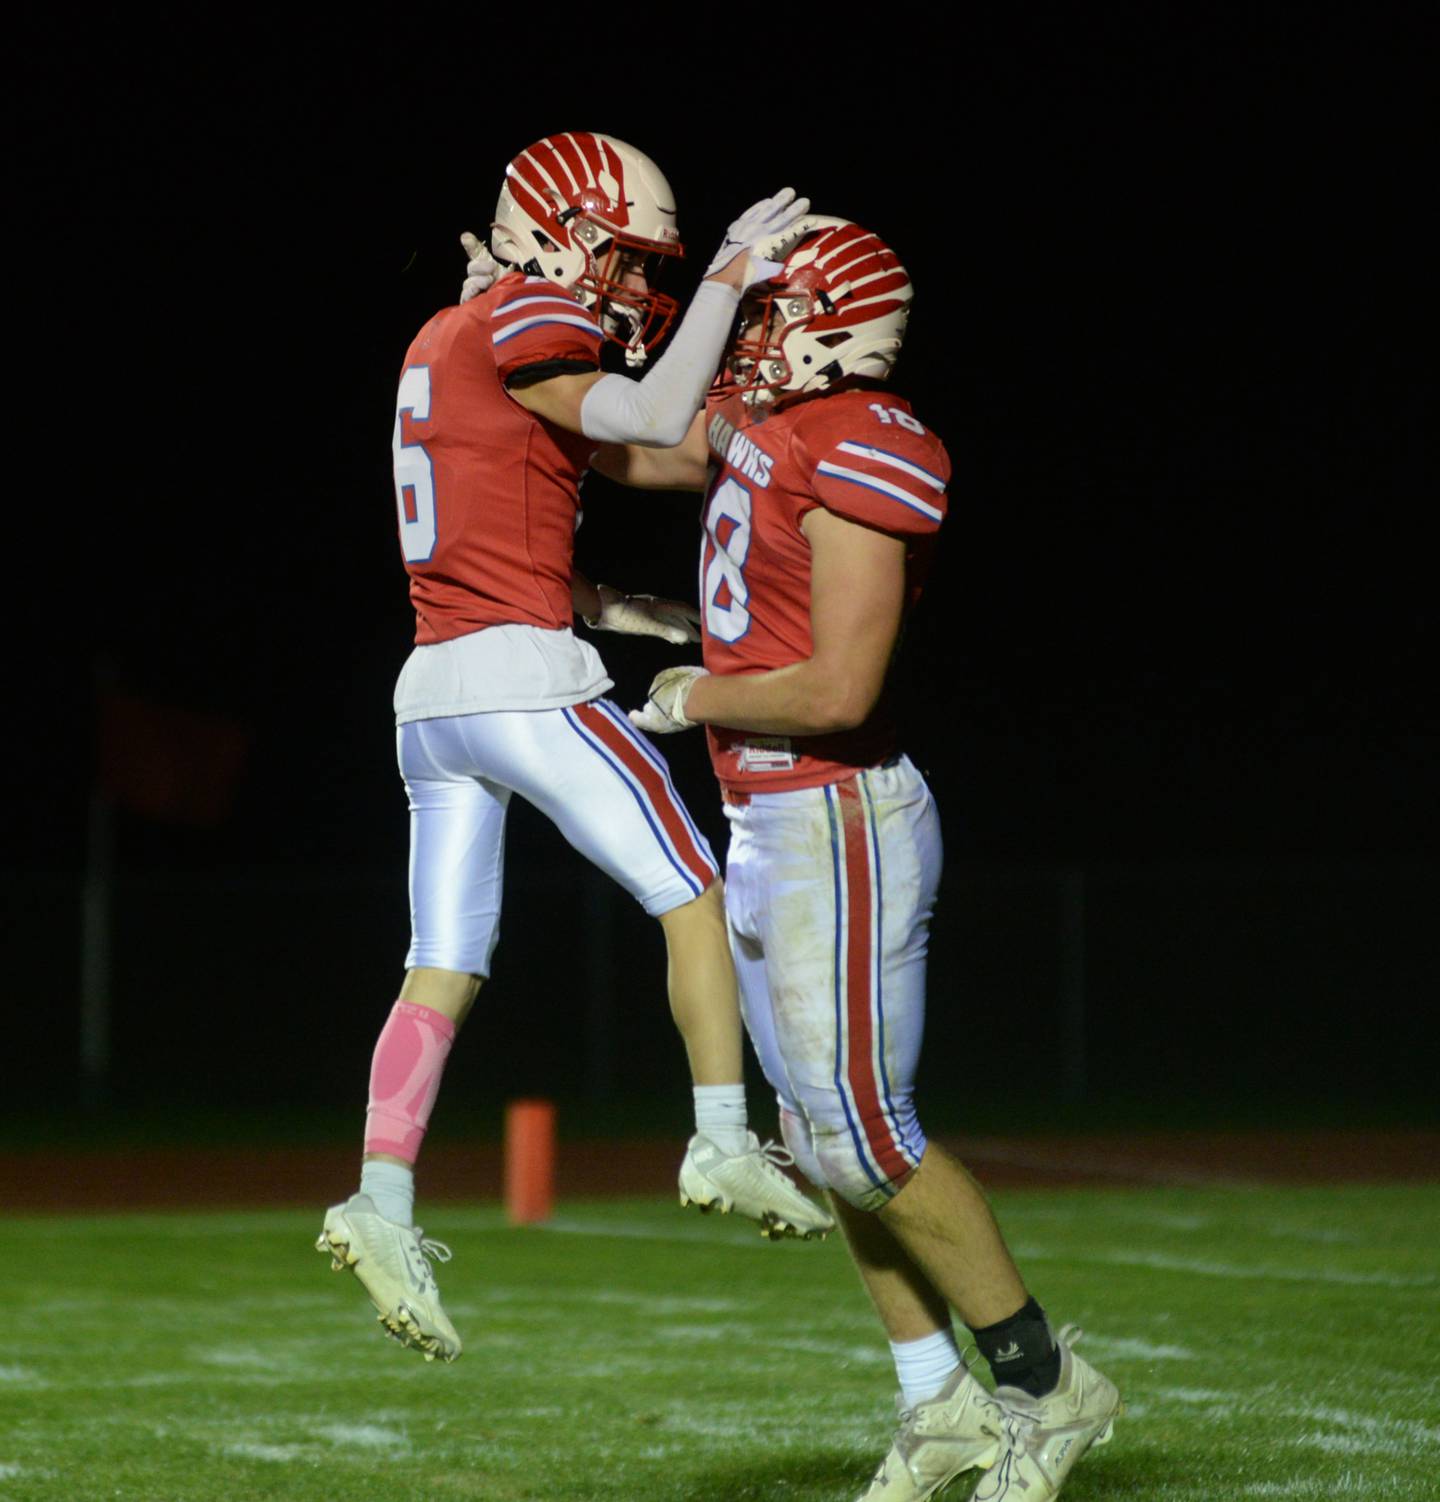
x,y
1021,1350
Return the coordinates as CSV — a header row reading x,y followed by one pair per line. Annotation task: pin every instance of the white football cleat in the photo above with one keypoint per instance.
x,y
1046,1437
751,1184
392,1264
962,1428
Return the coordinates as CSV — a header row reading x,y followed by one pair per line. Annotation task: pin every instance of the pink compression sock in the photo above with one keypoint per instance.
x,y
405,1079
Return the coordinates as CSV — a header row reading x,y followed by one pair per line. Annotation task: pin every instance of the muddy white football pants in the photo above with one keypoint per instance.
x,y
586,768
829,893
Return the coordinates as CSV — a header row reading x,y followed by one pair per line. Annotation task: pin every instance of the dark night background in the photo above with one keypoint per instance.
x,y
1176,662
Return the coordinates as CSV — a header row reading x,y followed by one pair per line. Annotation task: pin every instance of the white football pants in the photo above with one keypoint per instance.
x,y
586,768
829,894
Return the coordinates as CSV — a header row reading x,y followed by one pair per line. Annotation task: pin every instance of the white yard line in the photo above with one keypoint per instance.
x,y
1120,1348
1158,1261
1172,1221
1320,1236
564,1226
1164,1262
658,1303
1208,1268
1364,1423
1364,1483
253,1450
1344,1444
249,1358
1350,1484
1360,1433
299,1376
861,1355
1195,1395
364,1436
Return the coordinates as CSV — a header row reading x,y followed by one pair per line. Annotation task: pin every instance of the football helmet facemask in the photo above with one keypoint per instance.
x,y
588,211
837,308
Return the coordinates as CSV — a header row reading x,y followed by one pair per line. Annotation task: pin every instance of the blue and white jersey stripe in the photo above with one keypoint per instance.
x,y
554,299
885,487
520,325
884,456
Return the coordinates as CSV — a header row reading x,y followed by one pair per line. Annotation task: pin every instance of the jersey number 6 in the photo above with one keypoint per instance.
x,y
414,474
722,583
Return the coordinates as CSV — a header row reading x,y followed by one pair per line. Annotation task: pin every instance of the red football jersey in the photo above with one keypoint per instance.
x,y
488,495
859,453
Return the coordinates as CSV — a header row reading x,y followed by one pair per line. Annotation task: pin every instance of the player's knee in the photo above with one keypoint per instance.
x,y
863,1160
795,1131
450,992
704,911
853,1180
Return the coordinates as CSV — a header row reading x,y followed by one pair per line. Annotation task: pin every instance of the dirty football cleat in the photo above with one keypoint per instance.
x,y
1046,1437
962,1428
392,1263
751,1184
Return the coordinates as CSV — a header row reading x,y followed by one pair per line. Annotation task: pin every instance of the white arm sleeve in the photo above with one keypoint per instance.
x,y
657,411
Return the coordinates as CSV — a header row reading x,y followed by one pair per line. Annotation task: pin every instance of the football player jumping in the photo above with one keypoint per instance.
x,y
501,406
824,494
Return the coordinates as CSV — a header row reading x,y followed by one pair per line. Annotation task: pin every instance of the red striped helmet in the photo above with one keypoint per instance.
x,y
838,308
585,210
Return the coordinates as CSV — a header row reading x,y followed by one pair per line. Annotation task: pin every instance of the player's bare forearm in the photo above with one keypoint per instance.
x,y
680,468
806,698
857,596
584,597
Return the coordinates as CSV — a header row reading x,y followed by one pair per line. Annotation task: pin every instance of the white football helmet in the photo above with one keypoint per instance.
x,y
838,308
585,210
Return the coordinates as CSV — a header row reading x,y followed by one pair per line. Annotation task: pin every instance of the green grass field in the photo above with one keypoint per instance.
x,y
1270,1344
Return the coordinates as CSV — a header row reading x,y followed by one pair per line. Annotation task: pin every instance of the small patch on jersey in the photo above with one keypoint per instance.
x,y
769,753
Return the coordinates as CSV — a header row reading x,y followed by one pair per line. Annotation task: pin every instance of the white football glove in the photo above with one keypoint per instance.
x,y
481,271
664,712
767,232
644,615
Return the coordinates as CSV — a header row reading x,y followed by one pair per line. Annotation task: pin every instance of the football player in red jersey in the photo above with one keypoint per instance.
x,y
501,406
824,494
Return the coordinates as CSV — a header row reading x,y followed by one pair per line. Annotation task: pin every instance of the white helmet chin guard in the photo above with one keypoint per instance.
x,y
588,212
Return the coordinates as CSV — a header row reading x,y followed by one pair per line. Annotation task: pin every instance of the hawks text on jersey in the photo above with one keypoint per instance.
x,y
488,494
861,454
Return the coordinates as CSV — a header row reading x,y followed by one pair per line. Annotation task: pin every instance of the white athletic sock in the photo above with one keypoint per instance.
x,y
923,1366
391,1186
720,1115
